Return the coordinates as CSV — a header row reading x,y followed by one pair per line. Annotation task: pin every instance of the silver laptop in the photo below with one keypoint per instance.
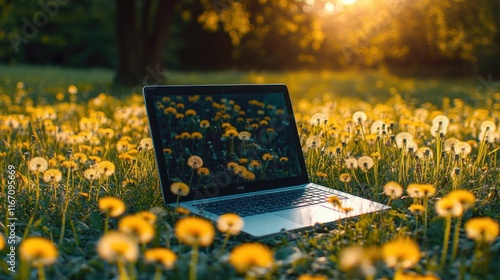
x,y
238,150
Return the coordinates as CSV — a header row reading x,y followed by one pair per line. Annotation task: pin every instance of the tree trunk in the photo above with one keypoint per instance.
x,y
142,30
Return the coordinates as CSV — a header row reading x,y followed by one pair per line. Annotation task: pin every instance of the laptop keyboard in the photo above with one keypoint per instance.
x,y
269,202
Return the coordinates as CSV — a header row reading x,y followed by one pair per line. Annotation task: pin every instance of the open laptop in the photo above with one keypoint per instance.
x,y
237,147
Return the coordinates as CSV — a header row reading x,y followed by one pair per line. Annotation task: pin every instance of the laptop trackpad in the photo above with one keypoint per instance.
x,y
310,215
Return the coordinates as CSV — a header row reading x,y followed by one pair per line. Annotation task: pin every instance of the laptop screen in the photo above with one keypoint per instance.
x,y
225,141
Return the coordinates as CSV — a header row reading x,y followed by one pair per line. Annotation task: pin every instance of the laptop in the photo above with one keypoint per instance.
x,y
237,148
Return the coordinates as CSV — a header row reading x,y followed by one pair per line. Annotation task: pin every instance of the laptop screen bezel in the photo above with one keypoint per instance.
x,y
150,92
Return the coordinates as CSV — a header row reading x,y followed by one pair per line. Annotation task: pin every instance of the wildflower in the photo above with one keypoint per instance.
x,y
38,164
2,242
365,163
114,206
427,190
179,188
117,247
80,157
351,257
318,119
161,256
146,144
231,133
312,277
424,153
451,144
195,231
72,89
359,117
345,178
138,227
196,135
378,128
244,135
182,211
402,252
447,206
441,120
313,142
91,174
414,191
335,201
248,175
483,229
464,197
38,251
148,216
321,174
351,163
204,124
463,148
251,255
230,223
195,162
393,190
416,208
283,159
106,168
203,171
403,138
254,164
267,157
488,126
52,176
190,113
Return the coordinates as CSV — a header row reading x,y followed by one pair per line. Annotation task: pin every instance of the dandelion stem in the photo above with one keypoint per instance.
x,y
41,272
456,235
194,262
446,239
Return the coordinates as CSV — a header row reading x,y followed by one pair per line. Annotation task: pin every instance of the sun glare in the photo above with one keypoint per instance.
x,y
348,2
329,7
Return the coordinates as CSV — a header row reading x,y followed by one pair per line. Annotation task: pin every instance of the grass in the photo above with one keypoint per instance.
x,y
73,132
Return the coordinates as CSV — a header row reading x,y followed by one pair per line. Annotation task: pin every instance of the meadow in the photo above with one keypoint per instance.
x,y
81,196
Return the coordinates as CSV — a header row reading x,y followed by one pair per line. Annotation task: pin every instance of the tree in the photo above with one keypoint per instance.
x,y
142,28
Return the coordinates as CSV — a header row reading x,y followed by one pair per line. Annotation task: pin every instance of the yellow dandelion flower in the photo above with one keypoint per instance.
x,y
196,135
447,206
195,162
38,164
334,200
185,135
112,205
204,124
80,157
321,174
203,171
195,230
232,165
416,209
248,175
182,211
138,227
393,190
95,159
38,251
68,164
52,176
345,177
243,160
312,277
117,246
190,113
267,157
427,190
148,216
401,253
231,133
247,256
464,197
254,164
482,229
106,133
106,168
230,223
161,256
179,188
283,159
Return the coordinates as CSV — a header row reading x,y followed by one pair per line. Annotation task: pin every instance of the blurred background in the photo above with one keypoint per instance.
x,y
142,39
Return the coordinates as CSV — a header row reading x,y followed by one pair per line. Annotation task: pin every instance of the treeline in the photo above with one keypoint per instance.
x,y
260,34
